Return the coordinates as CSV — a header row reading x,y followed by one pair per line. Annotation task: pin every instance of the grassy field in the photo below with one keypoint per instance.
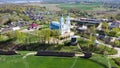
x,y
52,7
82,6
52,62
45,62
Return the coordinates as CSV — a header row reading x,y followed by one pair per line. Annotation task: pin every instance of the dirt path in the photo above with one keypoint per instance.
x,y
28,54
74,62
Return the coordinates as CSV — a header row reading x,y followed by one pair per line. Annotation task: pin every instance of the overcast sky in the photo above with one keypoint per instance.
x,y
59,0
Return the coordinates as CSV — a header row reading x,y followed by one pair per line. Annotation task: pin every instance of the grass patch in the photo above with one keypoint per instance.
x,y
100,49
117,61
81,6
101,59
45,62
96,60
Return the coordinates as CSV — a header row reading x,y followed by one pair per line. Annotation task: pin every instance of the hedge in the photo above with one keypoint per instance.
x,y
59,54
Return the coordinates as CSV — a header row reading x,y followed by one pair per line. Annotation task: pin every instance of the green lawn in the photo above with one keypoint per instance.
x,y
103,60
17,61
45,62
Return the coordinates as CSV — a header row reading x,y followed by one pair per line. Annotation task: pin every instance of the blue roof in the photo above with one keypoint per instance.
x,y
55,25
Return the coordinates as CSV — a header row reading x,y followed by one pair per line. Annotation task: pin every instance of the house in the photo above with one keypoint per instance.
x,y
83,27
112,39
15,28
101,34
105,20
33,26
114,24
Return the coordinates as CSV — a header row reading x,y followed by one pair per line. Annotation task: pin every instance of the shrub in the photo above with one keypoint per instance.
x,y
67,43
101,49
117,61
87,54
50,53
7,52
112,33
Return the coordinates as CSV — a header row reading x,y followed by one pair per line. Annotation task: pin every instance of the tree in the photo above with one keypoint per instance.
x,y
25,18
44,35
14,17
117,43
92,38
105,27
20,37
92,33
116,30
37,21
92,29
55,34
117,16
4,20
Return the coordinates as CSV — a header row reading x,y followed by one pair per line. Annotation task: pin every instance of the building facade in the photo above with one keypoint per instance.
x,y
62,25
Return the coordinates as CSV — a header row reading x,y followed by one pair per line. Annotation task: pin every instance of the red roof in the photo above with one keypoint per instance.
x,y
34,25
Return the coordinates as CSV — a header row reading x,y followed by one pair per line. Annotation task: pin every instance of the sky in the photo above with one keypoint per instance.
x,y
59,0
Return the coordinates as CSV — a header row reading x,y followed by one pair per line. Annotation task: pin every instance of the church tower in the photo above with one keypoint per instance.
x,y
68,23
68,19
62,20
62,24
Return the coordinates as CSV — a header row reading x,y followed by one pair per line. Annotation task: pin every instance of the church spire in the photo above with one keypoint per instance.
x,y
68,19
62,19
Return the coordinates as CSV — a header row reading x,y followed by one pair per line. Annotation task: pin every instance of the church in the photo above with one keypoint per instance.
x,y
63,25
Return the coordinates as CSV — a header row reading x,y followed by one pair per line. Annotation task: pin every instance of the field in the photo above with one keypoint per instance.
x,y
52,7
97,7
51,62
83,6
45,62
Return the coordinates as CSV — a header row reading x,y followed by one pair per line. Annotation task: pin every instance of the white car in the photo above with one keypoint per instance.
x,y
119,38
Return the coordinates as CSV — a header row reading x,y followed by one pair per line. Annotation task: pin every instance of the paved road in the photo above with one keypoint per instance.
x,y
116,48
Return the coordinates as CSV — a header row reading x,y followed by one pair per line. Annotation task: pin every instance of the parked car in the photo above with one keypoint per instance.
x,y
119,38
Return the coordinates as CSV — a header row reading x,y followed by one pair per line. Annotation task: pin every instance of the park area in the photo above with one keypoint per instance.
x,y
18,61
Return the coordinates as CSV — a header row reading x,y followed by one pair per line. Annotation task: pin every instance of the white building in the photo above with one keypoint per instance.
x,y
15,28
63,26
